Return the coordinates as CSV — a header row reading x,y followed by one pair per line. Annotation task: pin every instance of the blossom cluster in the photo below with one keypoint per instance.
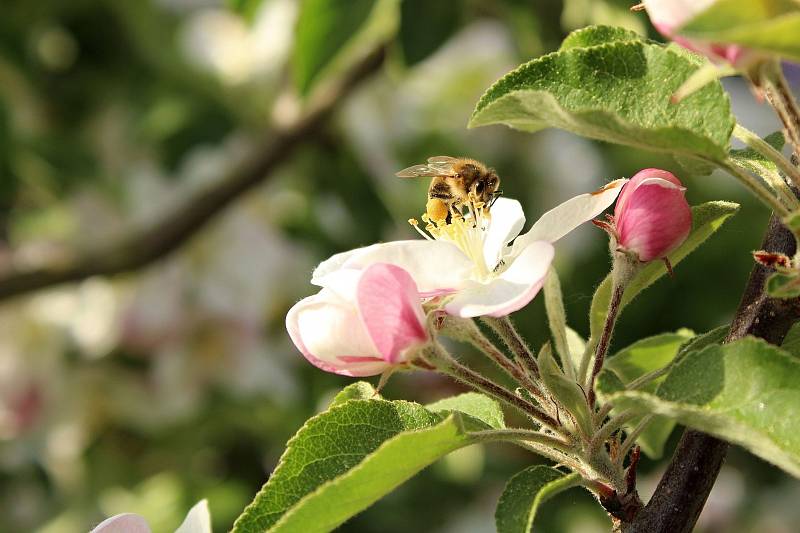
x,y
370,315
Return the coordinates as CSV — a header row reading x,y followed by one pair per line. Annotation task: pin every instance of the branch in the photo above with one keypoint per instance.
x,y
169,233
684,488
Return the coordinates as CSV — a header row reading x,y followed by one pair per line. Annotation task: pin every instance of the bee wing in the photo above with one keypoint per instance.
x,y
441,159
420,171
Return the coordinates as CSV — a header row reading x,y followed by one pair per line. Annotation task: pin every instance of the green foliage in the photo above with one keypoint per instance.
x,y
756,162
638,359
425,26
360,390
614,88
557,319
477,406
783,284
706,219
566,390
525,492
323,28
771,26
744,392
346,458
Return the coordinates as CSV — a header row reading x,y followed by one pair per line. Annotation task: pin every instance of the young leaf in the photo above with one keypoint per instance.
x,y
745,392
771,26
706,219
360,390
478,406
614,89
525,492
565,390
758,164
345,459
557,318
638,359
323,28
791,343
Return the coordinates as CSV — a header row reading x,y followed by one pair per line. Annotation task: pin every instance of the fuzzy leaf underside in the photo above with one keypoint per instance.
x,y
745,392
769,26
606,85
638,359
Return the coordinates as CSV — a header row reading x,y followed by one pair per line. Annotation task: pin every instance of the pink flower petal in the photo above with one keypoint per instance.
x,y
652,216
389,306
324,327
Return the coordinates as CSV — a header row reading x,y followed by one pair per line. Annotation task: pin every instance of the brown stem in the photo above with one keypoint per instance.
x,y
780,97
167,234
605,337
684,487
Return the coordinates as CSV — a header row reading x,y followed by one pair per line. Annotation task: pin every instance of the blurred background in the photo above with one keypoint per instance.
x,y
147,390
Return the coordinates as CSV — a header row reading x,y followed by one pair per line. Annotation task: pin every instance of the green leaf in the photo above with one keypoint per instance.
x,y
771,26
756,162
706,219
345,459
565,390
698,342
783,284
425,26
638,359
525,492
597,35
323,28
360,390
617,90
557,319
745,392
576,345
476,405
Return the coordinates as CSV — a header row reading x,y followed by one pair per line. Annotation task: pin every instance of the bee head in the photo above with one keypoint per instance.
x,y
486,187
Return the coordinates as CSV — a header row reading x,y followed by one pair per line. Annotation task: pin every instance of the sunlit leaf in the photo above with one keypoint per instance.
x,y
525,492
609,86
745,392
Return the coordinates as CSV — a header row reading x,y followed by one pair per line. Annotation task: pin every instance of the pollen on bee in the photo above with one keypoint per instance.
x,y
436,210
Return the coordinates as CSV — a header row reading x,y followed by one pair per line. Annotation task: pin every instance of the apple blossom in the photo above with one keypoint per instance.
x,y
668,16
363,322
197,520
651,217
469,263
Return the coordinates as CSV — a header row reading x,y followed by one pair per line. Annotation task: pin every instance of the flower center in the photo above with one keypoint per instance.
x,y
466,229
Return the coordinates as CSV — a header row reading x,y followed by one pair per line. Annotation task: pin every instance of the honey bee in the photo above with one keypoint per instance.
x,y
456,181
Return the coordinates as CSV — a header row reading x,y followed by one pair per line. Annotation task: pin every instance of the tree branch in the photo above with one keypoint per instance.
x,y
684,487
166,235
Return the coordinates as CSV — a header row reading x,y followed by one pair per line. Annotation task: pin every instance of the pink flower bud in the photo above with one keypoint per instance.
x,y
651,217
668,16
362,323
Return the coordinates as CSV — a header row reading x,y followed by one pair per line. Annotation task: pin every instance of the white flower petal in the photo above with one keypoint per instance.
x,y
198,520
506,223
434,265
511,290
123,523
327,328
567,216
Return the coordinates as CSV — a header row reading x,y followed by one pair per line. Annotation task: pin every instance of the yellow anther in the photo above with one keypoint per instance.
x,y
413,221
